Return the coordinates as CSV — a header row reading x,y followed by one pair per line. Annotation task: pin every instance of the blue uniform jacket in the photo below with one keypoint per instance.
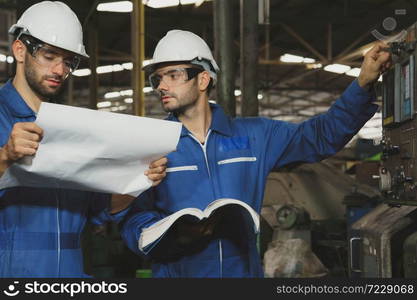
x,y
234,163
40,228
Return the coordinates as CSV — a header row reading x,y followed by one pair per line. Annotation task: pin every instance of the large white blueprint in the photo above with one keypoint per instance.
x,y
92,150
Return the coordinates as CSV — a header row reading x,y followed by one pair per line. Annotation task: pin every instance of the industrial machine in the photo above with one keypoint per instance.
x,y
383,243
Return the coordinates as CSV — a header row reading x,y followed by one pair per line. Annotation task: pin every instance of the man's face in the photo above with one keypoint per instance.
x,y
46,70
177,92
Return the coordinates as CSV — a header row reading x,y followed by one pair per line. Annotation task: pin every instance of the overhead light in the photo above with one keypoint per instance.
x,y
10,59
103,104
3,57
104,69
147,89
126,93
308,60
161,4
118,6
128,100
128,66
354,72
117,68
110,95
82,72
337,68
127,6
290,58
238,93
260,96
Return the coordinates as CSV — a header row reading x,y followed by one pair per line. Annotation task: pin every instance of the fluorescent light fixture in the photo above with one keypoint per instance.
x,y
353,72
238,93
110,95
196,2
81,72
10,59
104,69
100,69
337,68
147,89
126,93
128,66
103,104
128,100
118,68
308,60
114,108
118,6
3,57
289,58
161,4
122,107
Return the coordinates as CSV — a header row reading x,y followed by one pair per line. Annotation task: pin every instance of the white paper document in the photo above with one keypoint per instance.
x,y
91,150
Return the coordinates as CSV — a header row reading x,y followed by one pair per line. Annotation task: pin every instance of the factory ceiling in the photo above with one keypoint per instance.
x,y
324,33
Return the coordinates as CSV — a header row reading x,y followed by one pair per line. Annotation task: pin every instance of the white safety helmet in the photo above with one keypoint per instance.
x,y
184,46
53,23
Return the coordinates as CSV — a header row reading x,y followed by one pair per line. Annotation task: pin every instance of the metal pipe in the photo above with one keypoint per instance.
x,y
249,57
93,52
138,55
225,55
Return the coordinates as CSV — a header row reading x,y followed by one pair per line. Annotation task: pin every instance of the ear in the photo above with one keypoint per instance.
x,y
203,80
19,51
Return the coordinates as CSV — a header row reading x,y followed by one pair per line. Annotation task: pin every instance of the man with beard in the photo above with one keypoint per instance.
x,y
40,228
219,157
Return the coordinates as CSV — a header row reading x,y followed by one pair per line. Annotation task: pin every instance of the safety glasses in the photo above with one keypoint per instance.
x,y
173,77
50,57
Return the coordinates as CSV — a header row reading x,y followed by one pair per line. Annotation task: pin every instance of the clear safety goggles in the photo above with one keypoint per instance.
x,y
173,77
49,57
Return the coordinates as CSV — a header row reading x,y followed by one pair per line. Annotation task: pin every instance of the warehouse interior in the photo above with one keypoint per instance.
x,y
281,59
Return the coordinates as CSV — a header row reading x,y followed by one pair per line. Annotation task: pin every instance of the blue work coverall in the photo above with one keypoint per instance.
x,y
40,228
234,162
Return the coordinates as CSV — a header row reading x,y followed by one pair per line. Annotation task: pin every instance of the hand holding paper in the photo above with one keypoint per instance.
x,y
91,150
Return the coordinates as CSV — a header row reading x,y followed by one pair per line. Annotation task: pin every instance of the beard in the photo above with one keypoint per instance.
x,y
35,83
183,102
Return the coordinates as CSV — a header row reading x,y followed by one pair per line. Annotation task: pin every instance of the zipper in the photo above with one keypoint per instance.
x,y
59,234
204,148
221,258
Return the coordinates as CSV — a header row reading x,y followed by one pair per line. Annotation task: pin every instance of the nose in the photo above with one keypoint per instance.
x,y
162,86
59,68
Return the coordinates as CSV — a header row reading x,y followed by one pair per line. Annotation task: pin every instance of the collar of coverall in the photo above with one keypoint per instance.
x,y
219,122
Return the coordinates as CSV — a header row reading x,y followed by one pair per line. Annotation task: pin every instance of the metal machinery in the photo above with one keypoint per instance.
x,y
305,217
383,243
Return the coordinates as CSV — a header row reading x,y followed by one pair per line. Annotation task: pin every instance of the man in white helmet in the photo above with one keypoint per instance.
x,y
40,228
219,157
